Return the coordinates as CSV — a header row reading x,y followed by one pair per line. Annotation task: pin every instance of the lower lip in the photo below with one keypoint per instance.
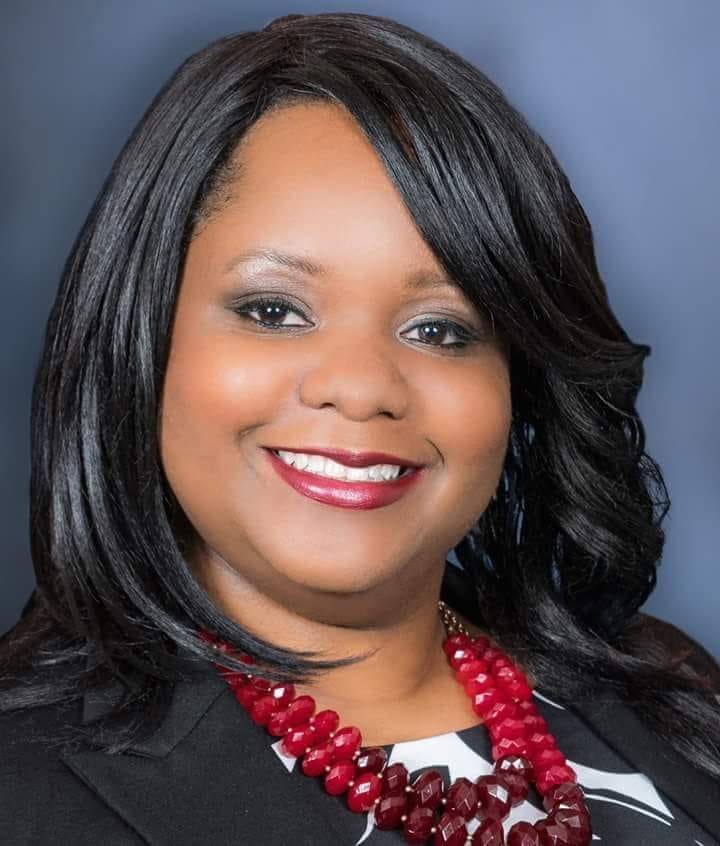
x,y
344,494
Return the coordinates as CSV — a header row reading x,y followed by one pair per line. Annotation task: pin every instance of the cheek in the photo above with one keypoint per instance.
x,y
472,414
215,391
216,387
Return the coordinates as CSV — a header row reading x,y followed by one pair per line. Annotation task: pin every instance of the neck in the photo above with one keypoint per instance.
x,y
403,690
401,633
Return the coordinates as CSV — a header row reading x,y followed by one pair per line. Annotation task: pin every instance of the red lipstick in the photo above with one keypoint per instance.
x,y
347,494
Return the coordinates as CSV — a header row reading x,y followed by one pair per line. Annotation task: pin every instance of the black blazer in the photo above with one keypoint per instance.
x,y
206,778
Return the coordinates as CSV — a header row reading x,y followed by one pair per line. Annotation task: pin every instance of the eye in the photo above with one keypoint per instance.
x,y
466,338
269,309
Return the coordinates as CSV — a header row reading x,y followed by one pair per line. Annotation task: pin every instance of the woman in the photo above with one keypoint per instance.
x,y
335,239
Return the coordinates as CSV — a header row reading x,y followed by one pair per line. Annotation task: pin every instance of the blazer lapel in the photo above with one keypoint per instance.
x,y
690,789
206,776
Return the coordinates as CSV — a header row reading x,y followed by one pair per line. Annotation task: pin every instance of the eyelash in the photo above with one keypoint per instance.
x,y
253,305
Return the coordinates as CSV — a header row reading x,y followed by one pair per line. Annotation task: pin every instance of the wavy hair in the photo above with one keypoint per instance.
x,y
560,562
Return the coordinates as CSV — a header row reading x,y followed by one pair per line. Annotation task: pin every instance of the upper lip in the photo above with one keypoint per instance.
x,y
353,459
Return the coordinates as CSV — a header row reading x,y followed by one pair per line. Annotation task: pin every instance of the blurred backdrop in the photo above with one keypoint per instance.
x,y
626,94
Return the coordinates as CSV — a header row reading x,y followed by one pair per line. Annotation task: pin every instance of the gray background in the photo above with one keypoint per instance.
x,y
626,94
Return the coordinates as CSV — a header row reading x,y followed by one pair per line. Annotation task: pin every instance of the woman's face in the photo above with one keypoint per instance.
x,y
359,362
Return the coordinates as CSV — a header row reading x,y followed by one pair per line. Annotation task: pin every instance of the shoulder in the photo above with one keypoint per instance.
x,y
32,740
41,800
34,732
683,650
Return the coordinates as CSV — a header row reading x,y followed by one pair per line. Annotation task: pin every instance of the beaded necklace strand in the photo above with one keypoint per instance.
x,y
523,751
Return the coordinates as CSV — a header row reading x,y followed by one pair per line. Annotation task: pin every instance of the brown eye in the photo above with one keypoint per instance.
x,y
268,308
440,328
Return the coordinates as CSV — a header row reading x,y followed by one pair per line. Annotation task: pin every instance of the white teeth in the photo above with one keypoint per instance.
x,y
327,467
300,461
315,463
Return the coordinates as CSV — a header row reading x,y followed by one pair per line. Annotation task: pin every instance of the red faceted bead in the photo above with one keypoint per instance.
x,y
517,772
283,693
371,760
395,779
534,723
527,708
479,683
544,751
506,672
523,834
300,710
488,833
518,691
460,656
494,800
462,798
518,786
263,685
262,709
510,746
278,724
389,810
552,776
346,741
470,669
492,653
324,723
456,641
479,644
507,728
516,764
553,834
427,790
578,822
500,711
547,758
567,794
483,702
339,777
317,758
246,695
450,830
363,793
297,740
236,680
418,824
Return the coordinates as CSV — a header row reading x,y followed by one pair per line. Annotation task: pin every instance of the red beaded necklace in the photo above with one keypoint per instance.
x,y
523,751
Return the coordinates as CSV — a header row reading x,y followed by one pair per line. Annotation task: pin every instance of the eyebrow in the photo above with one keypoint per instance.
x,y
415,280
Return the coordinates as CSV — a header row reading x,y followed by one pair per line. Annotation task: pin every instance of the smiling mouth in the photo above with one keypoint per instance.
x,y
343,493
404,471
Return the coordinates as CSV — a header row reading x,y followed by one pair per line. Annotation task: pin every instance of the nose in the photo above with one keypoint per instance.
x,y
360,377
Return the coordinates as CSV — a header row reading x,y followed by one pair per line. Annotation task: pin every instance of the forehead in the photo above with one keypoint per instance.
x,y
308,182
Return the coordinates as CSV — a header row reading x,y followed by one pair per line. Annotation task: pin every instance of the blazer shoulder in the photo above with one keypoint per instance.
x,y
41,799
31,740
683,649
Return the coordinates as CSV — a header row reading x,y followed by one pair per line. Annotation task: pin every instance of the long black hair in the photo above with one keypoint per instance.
x,y
561,560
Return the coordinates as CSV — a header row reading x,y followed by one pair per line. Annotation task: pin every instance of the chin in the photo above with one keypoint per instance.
x,y
337,575
339,580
